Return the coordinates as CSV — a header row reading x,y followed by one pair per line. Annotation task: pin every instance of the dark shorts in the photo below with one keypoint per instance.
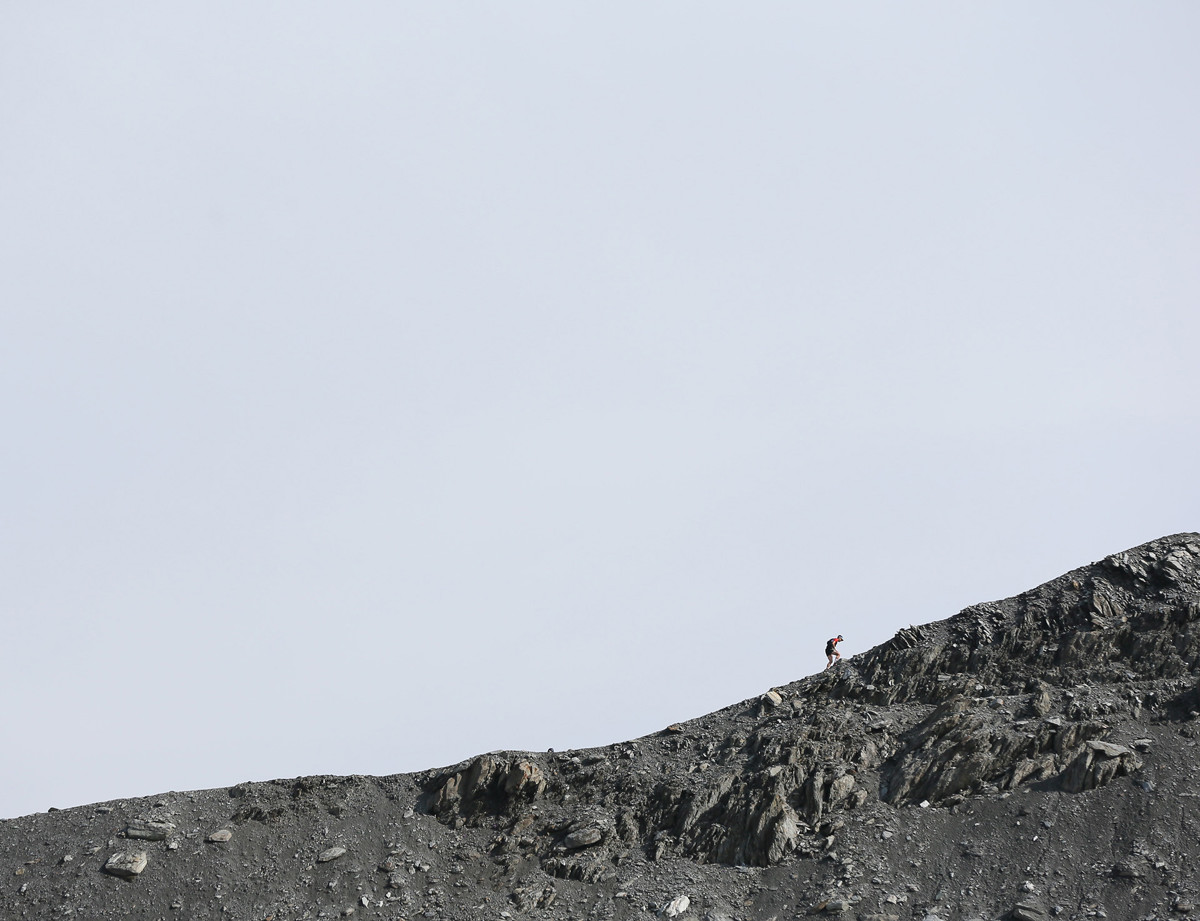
x,y
830,650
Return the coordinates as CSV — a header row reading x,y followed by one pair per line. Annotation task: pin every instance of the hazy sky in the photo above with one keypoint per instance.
x,y
386,383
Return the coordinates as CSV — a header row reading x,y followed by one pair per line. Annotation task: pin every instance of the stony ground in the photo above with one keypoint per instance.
x,y
1031,758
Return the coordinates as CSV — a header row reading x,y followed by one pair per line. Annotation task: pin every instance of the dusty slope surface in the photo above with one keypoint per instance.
x,y
1029,758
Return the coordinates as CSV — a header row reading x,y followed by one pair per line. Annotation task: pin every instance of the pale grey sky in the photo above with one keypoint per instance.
x,y
385,383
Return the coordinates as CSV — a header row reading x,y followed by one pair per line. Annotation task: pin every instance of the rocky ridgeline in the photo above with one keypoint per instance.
x,y
881,789
999,677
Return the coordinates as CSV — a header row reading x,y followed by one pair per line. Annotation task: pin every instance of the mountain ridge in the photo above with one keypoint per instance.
x,y
904,782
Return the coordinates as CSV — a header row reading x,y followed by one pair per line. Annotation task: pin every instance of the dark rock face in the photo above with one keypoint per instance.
x,y
489,785
1030,758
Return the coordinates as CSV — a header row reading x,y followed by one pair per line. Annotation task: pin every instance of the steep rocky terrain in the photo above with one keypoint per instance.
x,y
1029,758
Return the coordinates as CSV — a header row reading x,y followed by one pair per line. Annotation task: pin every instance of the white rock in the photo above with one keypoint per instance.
x,y
220,836
582,838
677,907
126,865
149,831
1108,749
332,853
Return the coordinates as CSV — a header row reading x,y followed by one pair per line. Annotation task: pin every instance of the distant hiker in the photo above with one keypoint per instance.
x,y
831,650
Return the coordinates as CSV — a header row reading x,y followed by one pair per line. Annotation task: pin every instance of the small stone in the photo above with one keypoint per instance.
x,y
1108,749
1128,869
772,699
149,831
885,835
126,865
675,728
220,836
677,906
582,838
329,854
1028,910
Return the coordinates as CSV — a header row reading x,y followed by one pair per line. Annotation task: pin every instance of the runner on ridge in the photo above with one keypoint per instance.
x,y
831,650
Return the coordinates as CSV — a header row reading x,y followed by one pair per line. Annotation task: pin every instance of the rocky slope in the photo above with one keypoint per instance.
x,y
1029,758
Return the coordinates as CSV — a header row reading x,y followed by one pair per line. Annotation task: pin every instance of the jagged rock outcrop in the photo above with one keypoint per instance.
x,y
495,786
958,748
1032,757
